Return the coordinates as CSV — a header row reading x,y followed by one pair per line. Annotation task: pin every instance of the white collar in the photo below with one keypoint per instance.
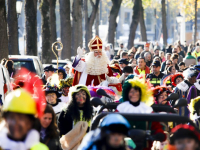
x,y
58,108
32,139
183,86
126,107
197,85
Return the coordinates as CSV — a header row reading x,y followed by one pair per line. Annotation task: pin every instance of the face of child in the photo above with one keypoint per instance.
x,y
60,75
178,80
116,140
186,144
81,98
162,97
18,125
134,95
66,91
51,98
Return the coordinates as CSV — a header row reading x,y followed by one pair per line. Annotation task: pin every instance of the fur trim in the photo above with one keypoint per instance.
x,y
191,107
96,66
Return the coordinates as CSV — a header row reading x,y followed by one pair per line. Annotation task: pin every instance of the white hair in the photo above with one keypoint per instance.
x,y
146,54
95,65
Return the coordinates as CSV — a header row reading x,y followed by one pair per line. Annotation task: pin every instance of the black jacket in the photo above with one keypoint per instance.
x,y
65,122
44,80
155,80
51,143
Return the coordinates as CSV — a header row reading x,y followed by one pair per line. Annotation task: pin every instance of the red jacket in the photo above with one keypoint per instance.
x,y
147,70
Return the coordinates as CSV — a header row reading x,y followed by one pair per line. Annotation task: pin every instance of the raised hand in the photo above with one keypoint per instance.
x,y
80,51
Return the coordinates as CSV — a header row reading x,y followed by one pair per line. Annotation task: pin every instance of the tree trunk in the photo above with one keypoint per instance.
x,y
164,23
31,27
142,24
195,22
65,28
89,21
86,22
134,23
81,25
12,28
112,20
53,38
97,24
76,25
3,31
46,35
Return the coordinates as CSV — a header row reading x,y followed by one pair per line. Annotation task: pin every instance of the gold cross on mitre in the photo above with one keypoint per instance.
x,y
95,44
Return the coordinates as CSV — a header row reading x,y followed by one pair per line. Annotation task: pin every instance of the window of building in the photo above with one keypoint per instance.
x,y
188,27
198,13
127,18
148,18
148,27
198,27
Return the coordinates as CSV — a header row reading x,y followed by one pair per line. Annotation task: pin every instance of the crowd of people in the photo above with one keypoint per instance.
x,y
56,111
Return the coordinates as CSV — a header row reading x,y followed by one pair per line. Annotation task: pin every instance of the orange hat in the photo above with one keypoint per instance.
x,y
115,66
147,45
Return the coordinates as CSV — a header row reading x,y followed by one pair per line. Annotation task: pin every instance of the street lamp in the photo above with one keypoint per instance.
x,y
18,7
179,20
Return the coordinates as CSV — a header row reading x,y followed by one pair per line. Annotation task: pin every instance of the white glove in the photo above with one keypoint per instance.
x,y
80,52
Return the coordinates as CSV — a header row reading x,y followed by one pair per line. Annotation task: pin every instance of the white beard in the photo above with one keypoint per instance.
x,y
95,65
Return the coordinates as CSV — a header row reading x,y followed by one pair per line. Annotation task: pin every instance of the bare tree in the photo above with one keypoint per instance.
x,y
31,26
164,23
52,18
134,23
112,20
3,31
12,28
46,35
89,21
65,28
142,24
97,24
76,25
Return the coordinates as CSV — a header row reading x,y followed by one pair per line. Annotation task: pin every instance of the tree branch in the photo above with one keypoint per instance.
x,y
92,3
94,11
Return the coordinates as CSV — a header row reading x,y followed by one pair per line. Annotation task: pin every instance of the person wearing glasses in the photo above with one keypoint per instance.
x,y
163,65
167,65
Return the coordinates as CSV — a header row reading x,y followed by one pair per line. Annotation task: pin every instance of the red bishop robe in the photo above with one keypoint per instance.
x,y
95,80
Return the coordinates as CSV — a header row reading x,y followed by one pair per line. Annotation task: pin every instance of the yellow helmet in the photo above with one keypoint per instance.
x,y
20,101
